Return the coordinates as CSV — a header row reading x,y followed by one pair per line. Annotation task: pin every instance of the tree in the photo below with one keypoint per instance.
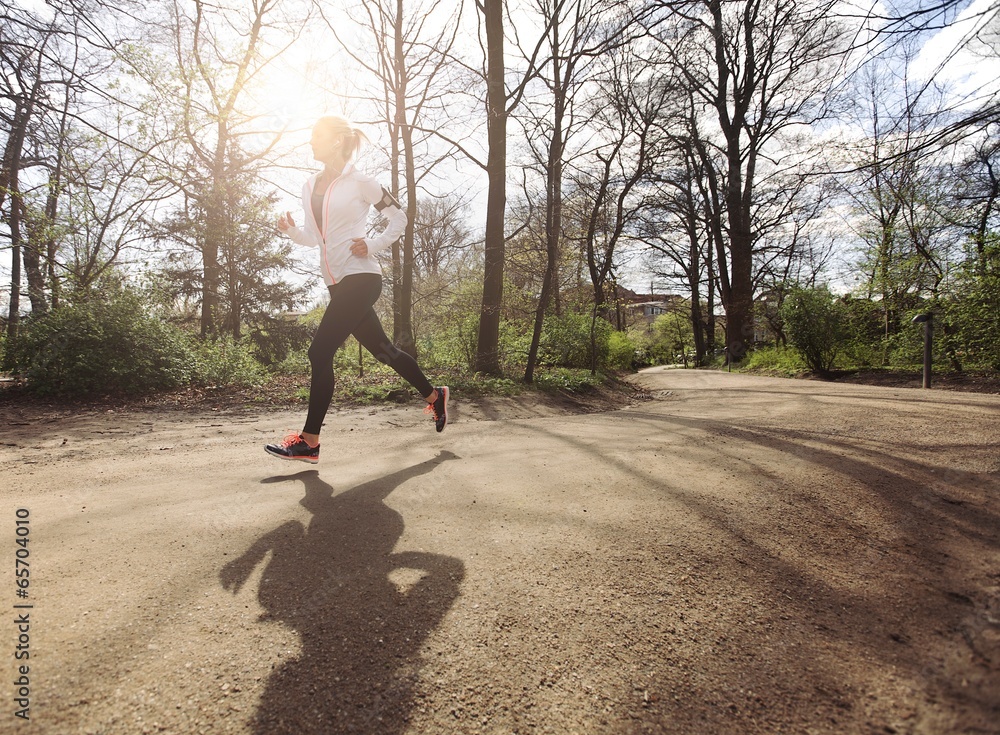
x,y
816,323
217,54
621,161
487,345
760,68
24,69
899,192
578,34
251,260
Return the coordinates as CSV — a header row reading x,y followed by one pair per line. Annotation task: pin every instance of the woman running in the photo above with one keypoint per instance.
x,y
337,201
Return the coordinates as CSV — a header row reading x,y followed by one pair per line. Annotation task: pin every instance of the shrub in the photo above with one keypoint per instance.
x,y
621,351
566,379
816,324
101,344
295,363
566,342
972,315
777,360
224,361
865,332
276,339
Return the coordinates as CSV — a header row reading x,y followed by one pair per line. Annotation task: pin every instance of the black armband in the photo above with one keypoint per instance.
x,y
387,200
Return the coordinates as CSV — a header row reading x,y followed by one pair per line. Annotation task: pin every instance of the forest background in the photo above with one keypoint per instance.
x,y
591,186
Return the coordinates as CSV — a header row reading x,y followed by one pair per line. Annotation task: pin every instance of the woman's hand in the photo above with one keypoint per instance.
x,y
359,248
285,222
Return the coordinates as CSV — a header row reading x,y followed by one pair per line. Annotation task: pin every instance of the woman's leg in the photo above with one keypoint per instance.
x,y
370,334
350,302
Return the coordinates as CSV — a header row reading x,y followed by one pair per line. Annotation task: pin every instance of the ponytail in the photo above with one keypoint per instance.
x,y
353,137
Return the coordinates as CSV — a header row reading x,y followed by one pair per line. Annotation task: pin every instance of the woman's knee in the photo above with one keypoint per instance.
x,y
320,355
387,353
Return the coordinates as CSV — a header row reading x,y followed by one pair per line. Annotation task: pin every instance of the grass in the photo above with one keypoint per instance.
x,y
782,362
382,385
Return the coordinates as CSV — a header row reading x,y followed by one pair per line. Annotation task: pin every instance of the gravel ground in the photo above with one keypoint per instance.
x,y
735,554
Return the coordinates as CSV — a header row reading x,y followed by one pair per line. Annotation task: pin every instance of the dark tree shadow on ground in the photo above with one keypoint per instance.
x,y
361,631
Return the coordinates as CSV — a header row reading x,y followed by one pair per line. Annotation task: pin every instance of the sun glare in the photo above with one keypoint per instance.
x,y
305,82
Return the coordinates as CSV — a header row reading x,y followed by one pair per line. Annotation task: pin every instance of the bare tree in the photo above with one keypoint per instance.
x,y
23,58
579,32
896,191
619,165
760,68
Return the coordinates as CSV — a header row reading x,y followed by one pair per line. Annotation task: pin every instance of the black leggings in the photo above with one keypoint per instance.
x,y
350,312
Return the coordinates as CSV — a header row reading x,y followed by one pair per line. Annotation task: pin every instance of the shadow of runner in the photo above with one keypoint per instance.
x,y
360,632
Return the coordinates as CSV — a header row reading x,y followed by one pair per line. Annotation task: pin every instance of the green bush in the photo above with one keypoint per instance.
x,y
777,360
295,363
452,345
651,348
567,379
276,339
621,351
972,315
865,332
104,343
816,325
224,361
565,341
674,337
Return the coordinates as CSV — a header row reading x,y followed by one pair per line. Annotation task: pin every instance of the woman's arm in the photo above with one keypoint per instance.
x,y
287,226
386,204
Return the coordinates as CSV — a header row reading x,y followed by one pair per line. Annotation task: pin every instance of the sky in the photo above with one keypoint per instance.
x,y
947,56
311,80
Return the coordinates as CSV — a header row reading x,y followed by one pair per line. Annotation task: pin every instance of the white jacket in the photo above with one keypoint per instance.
x,y
346,205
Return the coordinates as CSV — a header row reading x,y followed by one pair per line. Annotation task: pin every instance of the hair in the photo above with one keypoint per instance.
x,y
342,126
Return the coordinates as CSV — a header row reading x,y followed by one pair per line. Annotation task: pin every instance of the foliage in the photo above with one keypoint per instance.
x,y
777,360
567,379
251,262
295,362
972,316
566,341
276,340
669,339
226,361
622,351
105,342
675,336
816,323
864,344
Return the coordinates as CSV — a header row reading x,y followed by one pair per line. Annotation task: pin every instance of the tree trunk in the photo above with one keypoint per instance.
x,y
553,209
710,302
210,267
215,232
14,312
32,254
407,343
397,119
487,348
10,185
404,332
694,284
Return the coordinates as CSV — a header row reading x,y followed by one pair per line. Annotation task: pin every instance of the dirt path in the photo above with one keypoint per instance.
x,y
737,555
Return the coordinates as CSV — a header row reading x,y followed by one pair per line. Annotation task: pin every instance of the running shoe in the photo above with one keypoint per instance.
x,y
294,447
439,408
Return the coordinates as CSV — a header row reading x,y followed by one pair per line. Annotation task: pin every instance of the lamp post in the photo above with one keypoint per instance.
x,y
928,321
